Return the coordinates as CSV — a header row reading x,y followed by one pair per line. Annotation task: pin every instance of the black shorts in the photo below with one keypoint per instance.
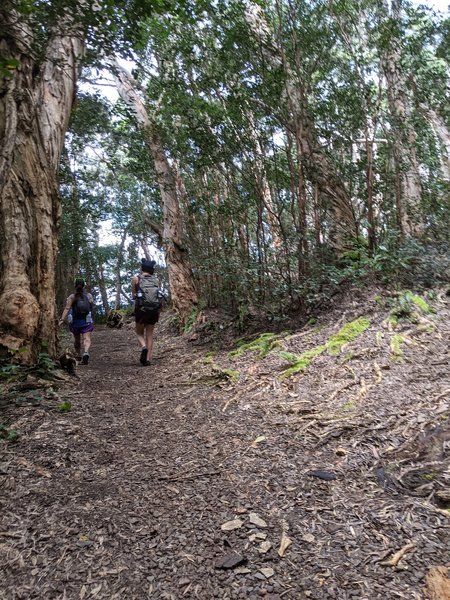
x,y
146,317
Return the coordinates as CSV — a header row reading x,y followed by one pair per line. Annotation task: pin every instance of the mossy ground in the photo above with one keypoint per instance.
x,y
262,345
396,350
333,345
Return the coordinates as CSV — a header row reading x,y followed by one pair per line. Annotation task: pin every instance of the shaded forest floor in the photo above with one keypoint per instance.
x,y
197,477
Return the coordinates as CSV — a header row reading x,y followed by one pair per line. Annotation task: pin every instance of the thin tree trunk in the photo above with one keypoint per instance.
x,y
68,258
102,288
371,120
319,167
404,135
317,220
181,281
145,249
262,183
371,233
35,105
118,300
442,133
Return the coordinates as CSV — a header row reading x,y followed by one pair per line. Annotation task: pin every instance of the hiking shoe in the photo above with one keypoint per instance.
x,y
85,358
143,359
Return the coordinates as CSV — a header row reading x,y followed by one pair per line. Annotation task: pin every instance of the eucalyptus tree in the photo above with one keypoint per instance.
x,y
182,285
408,181
41,49
217,141
428,76
104,184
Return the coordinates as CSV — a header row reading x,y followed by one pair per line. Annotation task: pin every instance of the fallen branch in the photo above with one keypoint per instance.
x,y
393,562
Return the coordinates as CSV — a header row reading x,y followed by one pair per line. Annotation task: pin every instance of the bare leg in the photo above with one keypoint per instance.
x,y
77,344
140,332
87,341
149,339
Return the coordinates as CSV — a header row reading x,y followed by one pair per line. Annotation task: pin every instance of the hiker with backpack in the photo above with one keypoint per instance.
x,y
78,309
147,297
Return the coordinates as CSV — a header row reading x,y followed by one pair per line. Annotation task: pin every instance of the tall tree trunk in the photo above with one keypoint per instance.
x,y
102,289
262,183
318,166
404,136
35,105
442,134
68,258
118,300
371,231
181,281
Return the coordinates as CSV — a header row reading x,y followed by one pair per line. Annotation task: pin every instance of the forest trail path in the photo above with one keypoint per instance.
x,y
125,495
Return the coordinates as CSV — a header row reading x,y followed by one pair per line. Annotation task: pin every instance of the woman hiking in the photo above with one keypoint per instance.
x,y
146,294
79,310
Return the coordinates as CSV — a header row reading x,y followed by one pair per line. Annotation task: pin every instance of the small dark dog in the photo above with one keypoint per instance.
x,y
68,361
115,320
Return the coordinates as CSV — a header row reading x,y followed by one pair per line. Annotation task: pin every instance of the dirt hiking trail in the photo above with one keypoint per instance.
x,y
209,476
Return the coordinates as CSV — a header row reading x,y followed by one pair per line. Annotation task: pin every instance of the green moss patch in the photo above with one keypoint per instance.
x,y
396,351
346,334
406,305
300,362
420,303
263,345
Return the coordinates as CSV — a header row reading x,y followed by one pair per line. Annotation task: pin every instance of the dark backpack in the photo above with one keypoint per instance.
x,y
148,295
81,307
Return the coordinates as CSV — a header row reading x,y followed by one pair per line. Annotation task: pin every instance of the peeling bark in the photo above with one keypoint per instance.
x,y
35,105
182,287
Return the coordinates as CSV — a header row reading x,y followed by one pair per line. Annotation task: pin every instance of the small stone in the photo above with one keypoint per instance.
x,y
231,560
256,520
231,525
267,572
308,537
264,547
242,570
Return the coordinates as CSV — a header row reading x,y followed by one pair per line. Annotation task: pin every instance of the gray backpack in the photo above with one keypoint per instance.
x,y
148,296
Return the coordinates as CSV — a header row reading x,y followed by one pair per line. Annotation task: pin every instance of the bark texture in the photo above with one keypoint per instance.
x,y
35,105
182,287
404,135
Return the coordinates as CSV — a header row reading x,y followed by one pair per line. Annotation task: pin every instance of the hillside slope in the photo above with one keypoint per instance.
x,y
307,464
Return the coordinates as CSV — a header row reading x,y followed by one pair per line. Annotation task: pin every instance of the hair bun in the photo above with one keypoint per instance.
x,y
147,264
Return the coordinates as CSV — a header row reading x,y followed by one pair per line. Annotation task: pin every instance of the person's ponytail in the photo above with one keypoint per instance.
x,y
79,286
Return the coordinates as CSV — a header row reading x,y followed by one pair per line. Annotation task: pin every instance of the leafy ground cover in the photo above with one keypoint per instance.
x,y
223,476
